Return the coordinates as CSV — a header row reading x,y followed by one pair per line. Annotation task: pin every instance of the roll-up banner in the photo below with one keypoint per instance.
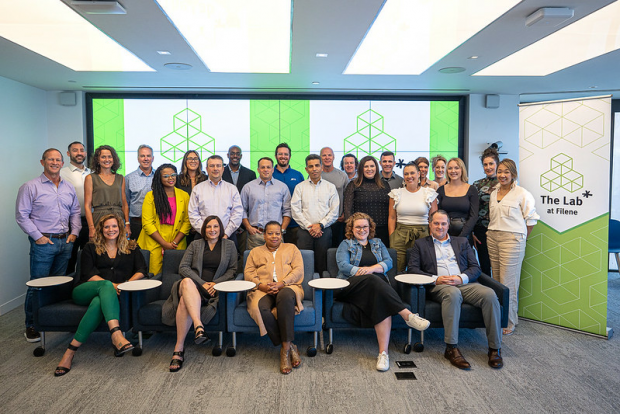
x,y
564,161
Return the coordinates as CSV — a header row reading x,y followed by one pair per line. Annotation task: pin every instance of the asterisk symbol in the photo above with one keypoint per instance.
x,y
400,163
587,194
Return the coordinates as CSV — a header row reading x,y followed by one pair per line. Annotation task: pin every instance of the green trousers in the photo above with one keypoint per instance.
x,y
102,301
402,239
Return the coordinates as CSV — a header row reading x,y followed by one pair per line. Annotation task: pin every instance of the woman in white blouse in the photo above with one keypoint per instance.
x,y
512,216
409,209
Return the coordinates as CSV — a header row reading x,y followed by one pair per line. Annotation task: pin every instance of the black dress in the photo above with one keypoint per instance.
x,y
371,199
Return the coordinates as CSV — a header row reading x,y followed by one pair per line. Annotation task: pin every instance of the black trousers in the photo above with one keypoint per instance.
x,y
281,329
483,252
338,233
291,235
320,245
135,225
79,243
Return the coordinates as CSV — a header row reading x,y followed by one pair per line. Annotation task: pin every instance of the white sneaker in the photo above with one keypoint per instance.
x,y
417,323
383,361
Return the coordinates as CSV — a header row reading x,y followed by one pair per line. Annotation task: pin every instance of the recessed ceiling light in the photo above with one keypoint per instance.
x,y
321,55
54,30
178,66
593,87
452,69
473,57
587,38
236,36
316,83
163,52
99,7
409,36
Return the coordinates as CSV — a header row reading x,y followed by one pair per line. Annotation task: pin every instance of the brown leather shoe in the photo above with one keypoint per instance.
x,y
285,361
456,358
295,359
495,358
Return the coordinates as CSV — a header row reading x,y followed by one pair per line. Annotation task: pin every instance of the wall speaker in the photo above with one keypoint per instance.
x,y
67,98
491,101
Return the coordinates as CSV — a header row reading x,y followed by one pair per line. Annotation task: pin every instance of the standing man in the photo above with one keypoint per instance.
x,y
137,184
48,211
315,207
387,170
216,197
349,165
452,263
75,173
264,200
234,172
340,179
283,172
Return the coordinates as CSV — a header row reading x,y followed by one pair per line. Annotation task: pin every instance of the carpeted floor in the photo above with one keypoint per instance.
x,y
546,370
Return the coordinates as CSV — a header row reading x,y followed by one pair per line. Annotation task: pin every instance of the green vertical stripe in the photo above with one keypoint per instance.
x,y
444,130
273,122
109,126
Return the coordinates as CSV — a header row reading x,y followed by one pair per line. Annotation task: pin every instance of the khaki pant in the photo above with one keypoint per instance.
x,y
506,251
402,239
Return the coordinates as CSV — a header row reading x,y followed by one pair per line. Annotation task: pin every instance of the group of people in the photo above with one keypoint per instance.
x,y
362,209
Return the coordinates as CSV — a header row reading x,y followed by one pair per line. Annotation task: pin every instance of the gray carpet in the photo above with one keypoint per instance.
x,y
546,370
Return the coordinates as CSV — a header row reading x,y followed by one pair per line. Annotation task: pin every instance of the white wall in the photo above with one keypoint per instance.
x,y
65,124
23,116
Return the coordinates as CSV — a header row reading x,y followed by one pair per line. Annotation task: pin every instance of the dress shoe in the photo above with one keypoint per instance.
x,y
295,359
495,358
285,361
456,358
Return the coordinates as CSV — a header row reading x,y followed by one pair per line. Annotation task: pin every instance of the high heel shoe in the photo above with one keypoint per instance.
x,y
176,364
200,336
285,361
60,371
123,348
295,358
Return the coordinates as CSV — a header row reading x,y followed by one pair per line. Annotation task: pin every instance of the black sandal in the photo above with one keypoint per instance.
x,y
176,364
200,336
60,371
123,349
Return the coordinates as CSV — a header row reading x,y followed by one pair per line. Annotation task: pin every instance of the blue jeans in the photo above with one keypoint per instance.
x,y
46,260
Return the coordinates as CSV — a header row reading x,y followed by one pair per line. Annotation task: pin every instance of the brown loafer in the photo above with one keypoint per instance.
x,y
456,358
495,358
285,361
295,359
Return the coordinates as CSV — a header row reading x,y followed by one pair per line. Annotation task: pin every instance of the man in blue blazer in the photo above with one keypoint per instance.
x,y
452,263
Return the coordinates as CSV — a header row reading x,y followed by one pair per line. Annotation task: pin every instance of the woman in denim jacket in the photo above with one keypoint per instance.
x,y
369,300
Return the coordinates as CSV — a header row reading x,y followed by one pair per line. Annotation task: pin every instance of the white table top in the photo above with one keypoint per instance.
x,y
234,286
412,279
328,283
49,281
142,284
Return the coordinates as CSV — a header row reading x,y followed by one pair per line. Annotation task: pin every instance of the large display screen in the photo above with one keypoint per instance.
x,y
174,125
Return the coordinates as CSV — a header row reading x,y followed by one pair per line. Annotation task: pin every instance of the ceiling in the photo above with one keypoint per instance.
x,y
335,27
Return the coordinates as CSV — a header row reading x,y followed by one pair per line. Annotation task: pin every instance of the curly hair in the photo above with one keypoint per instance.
x,y
184,178
160,199
348,231
96,166
121,241
360,172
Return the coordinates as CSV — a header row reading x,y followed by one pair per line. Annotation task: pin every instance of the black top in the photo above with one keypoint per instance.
x,y
211,260
368,198
117,270
465,207
367,259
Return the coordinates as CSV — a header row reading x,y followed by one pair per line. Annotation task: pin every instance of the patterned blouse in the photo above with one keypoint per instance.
x,y
485,188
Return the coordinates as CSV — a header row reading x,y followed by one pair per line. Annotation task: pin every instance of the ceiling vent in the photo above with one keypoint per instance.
x,y
549,16
98,7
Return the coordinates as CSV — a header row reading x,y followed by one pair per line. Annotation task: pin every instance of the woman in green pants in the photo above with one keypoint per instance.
x,y
105,263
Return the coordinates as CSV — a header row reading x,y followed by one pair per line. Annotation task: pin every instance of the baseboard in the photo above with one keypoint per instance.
x,y
12,304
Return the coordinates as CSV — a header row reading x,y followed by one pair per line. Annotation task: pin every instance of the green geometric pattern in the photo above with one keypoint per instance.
x,y
187,134
109,126
275,121
575,122
564,276
444,130
561,175
370,138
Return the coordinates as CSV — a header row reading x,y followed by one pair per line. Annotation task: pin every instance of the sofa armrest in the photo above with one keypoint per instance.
x,y
502,292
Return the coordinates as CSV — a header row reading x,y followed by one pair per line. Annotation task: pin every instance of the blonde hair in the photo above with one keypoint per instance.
x,y
121,241
461,164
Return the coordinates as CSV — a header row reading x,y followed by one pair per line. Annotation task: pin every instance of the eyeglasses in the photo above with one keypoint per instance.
x,y
192,158
170,176
234,153
360,228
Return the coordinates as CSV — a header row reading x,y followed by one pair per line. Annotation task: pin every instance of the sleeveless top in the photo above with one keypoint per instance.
x,y
107,198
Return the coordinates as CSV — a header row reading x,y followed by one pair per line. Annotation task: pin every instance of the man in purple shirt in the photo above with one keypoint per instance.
x,y
48,211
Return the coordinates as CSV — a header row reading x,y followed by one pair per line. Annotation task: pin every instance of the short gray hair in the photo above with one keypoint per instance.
x,y
145,146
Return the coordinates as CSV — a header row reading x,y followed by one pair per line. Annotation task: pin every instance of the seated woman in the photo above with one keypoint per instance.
x,y
105,263
193,300
369,300
278,270
165,221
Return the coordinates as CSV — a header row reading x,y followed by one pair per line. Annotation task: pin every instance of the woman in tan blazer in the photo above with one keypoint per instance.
x,y
278,270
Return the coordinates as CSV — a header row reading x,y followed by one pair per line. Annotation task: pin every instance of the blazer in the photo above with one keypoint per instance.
x,y
259,269
191,267
424,261
245,176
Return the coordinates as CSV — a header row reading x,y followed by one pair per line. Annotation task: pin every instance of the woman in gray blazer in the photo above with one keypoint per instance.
x,y
193,300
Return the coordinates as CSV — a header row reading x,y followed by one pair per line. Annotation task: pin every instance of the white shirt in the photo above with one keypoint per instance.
x,y
315,203
514,212
446,260
412,208
76,177
221,199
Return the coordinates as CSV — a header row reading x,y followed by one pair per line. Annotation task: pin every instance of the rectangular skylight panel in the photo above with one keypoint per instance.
x,y
51,29
592,36
409,36
238,36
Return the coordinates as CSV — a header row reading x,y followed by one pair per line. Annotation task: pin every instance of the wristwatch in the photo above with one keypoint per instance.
x,y
322,226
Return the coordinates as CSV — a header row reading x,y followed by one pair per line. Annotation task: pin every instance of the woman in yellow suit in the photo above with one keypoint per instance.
x,y
165,222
